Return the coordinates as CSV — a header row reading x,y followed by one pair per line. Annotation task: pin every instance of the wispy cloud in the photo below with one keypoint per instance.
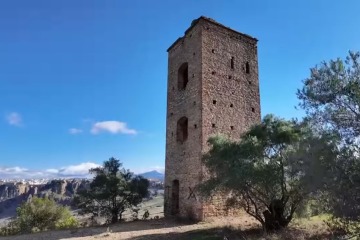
x,y
14,119
75,131
114,127
80,170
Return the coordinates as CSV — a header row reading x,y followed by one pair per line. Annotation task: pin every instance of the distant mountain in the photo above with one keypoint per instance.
x,y
153,175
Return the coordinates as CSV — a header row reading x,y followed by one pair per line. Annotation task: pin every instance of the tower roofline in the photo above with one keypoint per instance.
x,y
212,21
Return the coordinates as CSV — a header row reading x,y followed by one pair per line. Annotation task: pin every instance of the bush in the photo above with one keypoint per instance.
x,y
40,214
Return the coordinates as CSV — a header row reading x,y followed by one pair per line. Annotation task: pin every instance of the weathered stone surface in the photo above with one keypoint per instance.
x,y
221,97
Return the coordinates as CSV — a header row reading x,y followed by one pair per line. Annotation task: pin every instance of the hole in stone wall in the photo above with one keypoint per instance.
x,y
249,82
213,125
253,110
172,134
195,126
182,130
214,102
247,67
213,72
213,50
194,103
193,75
190,35
232,127
183,76
231,105
232,62
230,77
171,114
207,28
193,54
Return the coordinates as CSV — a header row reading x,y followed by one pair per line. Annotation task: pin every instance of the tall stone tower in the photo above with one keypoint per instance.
x,y
213,88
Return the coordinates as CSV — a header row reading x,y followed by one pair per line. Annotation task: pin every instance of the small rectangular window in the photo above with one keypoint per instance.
x,y
232,62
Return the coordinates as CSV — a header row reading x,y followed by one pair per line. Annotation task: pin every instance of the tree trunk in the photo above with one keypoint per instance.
x,y
274,216
114,216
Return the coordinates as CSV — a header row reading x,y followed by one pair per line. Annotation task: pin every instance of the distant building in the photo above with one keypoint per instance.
x,y
213,88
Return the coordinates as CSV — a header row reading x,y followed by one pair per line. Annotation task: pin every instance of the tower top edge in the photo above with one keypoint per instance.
x,y
211,21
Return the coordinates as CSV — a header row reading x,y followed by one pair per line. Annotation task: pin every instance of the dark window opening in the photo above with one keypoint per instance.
x,y
232,62
232,127
183,76
213,51
213,125
214,102
231,105
194,103
247,67
253,110
171,114
249,82
195,126
175,197
172,133
182,129
229,76
233,92
213,72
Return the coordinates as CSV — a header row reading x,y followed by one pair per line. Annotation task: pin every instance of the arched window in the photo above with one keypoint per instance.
x,y
247,67
183,76
182,130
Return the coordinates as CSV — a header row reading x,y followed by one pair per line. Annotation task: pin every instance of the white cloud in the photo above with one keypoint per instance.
x,y
75,131
80,170
114,127
14,119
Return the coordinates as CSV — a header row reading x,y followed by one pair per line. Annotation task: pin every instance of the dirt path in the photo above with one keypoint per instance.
x,y
146,230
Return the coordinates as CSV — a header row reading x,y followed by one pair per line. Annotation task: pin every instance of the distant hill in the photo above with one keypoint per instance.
x,y
153,175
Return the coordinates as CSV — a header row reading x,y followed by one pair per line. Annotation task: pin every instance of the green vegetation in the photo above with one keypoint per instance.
x,y
112,191
40,214
284,168
271,171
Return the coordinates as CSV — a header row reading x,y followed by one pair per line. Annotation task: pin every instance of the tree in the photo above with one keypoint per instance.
x,y
331,95
331,99
42,214
112,191
270,171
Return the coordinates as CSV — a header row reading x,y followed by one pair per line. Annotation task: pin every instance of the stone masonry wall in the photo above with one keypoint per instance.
x,y
220,98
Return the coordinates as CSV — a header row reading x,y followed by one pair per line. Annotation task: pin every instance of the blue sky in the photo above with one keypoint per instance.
x,y
84,80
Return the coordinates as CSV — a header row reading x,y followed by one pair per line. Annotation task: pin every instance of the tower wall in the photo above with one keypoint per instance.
x,y
221,97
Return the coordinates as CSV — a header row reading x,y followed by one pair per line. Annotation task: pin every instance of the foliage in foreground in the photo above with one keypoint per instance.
x,y
112,191
40,214
275,167
331,99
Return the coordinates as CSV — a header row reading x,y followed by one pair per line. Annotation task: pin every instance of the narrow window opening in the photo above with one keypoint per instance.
x,y
214,102
213,51
213,72
172,133
195,126
231,105
247,67
249,82
175,193
230,77
232,62
193,54
183,76
232,127
182,129
213,125
233,92
253,110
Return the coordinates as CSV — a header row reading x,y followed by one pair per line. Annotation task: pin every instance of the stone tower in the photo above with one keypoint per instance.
x,y
213,88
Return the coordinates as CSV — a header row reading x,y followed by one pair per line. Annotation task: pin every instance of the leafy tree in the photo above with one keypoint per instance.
x,y
271,171
112,191
331,95
331,98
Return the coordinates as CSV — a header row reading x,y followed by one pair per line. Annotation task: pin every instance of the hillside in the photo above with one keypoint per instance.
x,y
153,175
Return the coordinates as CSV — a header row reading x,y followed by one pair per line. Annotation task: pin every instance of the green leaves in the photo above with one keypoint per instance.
x,y
270,165
112,191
